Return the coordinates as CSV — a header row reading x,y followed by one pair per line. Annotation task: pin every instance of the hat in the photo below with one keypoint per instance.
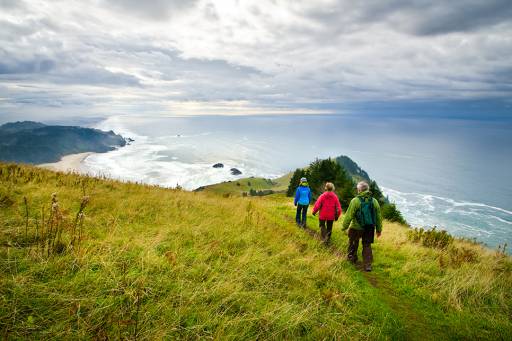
x,y
303,180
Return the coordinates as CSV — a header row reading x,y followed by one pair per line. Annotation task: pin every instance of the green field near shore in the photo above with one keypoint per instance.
x,y
241,186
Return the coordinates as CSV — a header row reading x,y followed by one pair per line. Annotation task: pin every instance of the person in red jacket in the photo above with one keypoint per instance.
x,y
330,210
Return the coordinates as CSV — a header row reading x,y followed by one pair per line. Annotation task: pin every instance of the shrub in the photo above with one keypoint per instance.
x,y
431,238
462,255
5,200
502,250
260,193
391,213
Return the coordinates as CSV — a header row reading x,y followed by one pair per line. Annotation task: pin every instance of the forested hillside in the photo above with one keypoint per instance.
x,y
32,142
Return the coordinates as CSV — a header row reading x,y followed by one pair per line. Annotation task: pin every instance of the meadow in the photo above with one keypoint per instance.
x,y
92,258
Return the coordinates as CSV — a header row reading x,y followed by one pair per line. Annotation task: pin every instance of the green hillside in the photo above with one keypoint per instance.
x,y
245,185
102,259
241,186
33,142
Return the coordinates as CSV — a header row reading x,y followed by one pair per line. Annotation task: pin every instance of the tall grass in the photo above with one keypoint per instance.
x,y
156,263
106,259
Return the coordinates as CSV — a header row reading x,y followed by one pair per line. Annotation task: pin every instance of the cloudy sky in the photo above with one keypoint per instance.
x,y
102,57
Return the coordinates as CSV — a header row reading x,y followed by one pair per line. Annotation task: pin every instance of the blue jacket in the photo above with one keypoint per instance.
x,y
302,195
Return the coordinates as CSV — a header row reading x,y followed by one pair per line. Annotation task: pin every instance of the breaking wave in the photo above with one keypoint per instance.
x,y
489,224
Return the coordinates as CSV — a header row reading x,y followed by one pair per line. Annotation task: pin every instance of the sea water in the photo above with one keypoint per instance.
x,y
450,173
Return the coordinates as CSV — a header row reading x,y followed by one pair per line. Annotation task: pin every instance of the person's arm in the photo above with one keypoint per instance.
x,y
349,215
338,205
297,194
309,194
378,217
318,204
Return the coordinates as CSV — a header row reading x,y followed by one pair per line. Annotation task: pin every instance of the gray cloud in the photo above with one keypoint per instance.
x,y
11,4
418,17
153,9
132,55
32,66
431,18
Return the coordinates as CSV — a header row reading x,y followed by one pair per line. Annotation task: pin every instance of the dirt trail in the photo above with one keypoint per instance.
x,y
416,327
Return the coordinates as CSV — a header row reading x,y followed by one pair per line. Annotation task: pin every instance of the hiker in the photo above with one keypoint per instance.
x,y
302,200
330,210
363,217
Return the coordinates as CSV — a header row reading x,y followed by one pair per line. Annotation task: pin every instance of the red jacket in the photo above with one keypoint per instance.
x,y
328,205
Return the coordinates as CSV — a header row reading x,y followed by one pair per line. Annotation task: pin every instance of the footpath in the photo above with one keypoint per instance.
x,y
416,326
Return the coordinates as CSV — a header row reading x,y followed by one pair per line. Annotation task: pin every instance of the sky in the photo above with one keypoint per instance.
x,y
108,57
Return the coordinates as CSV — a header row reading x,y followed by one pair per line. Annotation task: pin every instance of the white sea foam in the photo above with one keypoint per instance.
x,y
487,223
171,160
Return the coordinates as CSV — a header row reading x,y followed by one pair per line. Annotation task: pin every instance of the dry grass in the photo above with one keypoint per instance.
x,y
142,262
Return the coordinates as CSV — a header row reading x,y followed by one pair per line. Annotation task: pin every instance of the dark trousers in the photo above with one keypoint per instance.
x,y
300,217
367,236
326,230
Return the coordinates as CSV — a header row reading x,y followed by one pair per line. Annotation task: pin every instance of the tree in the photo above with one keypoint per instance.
x,y
377,193
328,170
391,213
295,180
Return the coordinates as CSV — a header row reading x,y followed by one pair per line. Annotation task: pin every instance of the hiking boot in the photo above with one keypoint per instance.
x,y
368,268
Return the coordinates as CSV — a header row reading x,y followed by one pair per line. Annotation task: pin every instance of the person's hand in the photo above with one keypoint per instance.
x,y
295,205
378,234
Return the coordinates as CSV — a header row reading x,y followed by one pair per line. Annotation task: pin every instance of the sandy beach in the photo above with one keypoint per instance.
x,y
68,163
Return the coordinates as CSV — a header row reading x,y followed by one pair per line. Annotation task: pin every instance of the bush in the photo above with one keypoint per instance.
x,y
462,255
431,238
5,200
260,193
5,197
391,213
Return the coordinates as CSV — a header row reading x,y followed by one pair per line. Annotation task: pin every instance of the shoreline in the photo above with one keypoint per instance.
x,y
68,163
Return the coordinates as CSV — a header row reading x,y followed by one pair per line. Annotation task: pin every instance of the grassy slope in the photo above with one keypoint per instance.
x,y
158,263
237,187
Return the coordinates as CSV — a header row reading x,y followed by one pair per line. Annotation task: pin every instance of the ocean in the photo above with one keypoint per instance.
x,y
451,173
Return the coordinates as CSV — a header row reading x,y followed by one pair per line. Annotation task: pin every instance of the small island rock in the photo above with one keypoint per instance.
x,y
218,165
235,171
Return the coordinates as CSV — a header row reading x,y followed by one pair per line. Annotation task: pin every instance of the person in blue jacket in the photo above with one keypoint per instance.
x,y
302,200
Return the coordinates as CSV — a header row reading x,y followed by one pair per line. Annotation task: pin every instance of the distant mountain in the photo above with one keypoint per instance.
x,y
15,127
353,168
33,142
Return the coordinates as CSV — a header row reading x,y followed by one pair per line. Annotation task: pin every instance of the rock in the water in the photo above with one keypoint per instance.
x,y
235,171
218,165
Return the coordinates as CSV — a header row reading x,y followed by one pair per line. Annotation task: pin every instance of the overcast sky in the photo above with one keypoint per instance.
x,y
101,57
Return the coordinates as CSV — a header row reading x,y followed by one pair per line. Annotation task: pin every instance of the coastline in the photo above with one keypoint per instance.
x,y
68,163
